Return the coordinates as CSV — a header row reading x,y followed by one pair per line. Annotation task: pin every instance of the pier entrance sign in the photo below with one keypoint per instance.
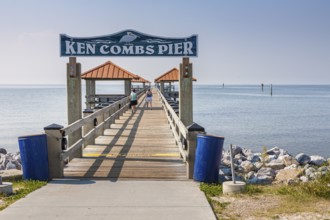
x,y
128,43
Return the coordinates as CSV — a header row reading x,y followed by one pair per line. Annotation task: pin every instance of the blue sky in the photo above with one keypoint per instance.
x,y
240,42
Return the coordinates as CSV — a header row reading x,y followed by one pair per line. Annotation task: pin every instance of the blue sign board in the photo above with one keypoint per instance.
x,y
128,43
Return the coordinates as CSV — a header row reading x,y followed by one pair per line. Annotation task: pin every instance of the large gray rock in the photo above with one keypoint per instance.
x,y
266,171
288,175
288,160
247,152
261,179
283,152
226,162
17,157
303,158
236,150
248,166
292,166
271,157
225,171
250,175
239,158
258,165
3,161
310,172
10,166
225,159
317,160
3,151
276,164
264,176
254,158
223,178
274,151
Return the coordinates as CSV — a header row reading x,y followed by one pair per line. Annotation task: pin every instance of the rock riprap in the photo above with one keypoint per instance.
x,y
275,165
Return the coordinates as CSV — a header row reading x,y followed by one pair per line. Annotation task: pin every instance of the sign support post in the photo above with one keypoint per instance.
x,y
186,92
74,99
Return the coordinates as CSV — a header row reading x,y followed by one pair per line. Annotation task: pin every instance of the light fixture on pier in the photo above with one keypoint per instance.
x,y
186,72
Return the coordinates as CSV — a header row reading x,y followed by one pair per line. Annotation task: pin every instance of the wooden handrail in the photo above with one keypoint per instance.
x,y
68,130
178,128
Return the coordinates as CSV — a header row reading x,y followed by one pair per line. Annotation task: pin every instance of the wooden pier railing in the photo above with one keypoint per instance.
x,y
185,136
93,125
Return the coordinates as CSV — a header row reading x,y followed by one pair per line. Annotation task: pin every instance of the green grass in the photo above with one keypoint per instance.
x,y
319,188
21,189
211,189
294,198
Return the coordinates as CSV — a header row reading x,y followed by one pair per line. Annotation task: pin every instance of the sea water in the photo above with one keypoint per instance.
x,y
295,117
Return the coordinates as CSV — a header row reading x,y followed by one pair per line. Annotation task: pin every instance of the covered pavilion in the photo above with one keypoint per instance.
x,y
169,77
106,71
141,80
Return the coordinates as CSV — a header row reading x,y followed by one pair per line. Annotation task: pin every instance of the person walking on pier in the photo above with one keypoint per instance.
x,y
133,99
149,98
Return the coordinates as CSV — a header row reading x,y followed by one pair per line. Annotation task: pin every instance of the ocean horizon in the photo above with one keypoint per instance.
x,y
294,117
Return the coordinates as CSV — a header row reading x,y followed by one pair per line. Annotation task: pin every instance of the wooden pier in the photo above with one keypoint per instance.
x,y
139,145
110,142
118,144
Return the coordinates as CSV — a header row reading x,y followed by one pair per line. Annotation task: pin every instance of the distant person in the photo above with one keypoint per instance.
x,y
149,98
133,98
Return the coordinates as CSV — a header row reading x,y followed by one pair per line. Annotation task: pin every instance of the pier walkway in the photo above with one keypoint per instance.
x,y
64,199
139,145
134,171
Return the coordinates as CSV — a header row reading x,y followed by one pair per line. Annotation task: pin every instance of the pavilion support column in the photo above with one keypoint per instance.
x,y
128,86
89,98
162,87
90,94
170,87
144,85
186,92
93,92
74,99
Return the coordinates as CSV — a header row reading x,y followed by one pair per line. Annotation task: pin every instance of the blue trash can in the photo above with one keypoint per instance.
x,y
207,158
34,157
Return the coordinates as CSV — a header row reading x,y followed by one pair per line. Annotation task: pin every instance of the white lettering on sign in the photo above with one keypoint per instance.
x,y
128,43
69,49
150,50
79,48
162,49
139,50
115,49
178,48
90,48
128,49
187,47
104,49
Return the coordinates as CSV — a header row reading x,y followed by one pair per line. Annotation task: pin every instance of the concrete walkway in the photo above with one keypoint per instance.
x,y
103,199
